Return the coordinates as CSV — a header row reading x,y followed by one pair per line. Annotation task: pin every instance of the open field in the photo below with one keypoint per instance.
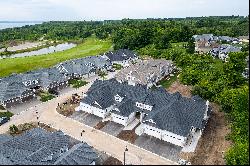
x,y
91,46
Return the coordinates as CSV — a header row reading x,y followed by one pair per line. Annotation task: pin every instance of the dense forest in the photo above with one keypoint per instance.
x,y
212,79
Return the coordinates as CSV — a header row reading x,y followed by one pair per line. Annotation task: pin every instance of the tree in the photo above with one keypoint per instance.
x,y
191,46
13,129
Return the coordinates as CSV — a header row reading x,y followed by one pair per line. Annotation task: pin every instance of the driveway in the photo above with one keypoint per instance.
x,y
112,128
86,118
24,106
159,147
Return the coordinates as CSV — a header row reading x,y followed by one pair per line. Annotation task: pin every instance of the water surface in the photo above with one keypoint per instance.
x,y
51,49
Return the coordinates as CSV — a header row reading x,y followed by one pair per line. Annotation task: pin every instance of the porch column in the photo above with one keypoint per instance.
x,y
141,116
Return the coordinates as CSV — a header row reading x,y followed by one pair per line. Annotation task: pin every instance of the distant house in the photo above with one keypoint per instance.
x,y
169,117
40,147
18,88
205,42
14,93
244,39
121,56
223,50
147,72
84,67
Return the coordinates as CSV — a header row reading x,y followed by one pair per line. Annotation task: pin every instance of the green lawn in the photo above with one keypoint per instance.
x,y
167,83
46,96
91,46
6,114
77,83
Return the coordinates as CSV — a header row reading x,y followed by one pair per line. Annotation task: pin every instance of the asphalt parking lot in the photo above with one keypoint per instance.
x,y
112,128
86,118
159,147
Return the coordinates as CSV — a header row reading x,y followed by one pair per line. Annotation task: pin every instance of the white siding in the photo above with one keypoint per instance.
x,y
92,110
164,135
119,119
122,120
131,117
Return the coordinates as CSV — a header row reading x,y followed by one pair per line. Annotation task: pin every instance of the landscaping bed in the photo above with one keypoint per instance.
x,y
68,107
46,96
75,83
19,129
100,125
6,114
112,161
128,135
117,66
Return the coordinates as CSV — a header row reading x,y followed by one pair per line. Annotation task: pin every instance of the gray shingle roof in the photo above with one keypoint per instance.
x,y
120,55
171,112
5,138
179,114
33,146
11,90
79,154
204,37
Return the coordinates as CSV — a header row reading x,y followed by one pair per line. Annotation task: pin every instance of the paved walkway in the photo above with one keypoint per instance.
x,y
100,140
132,125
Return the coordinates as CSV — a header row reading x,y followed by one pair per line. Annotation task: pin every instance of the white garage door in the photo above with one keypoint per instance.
x,y
118,119
152,131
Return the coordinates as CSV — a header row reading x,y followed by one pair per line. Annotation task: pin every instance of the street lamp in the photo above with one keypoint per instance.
x,y
126,149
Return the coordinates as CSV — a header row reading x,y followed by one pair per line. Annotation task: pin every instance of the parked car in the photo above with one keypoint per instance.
x,y
4,120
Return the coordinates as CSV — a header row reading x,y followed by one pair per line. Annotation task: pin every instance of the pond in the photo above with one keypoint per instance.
x,y
51,49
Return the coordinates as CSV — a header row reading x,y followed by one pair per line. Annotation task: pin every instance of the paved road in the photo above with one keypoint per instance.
x,y
111,145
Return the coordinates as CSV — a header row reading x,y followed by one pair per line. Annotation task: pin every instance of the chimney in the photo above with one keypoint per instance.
x,y
207,105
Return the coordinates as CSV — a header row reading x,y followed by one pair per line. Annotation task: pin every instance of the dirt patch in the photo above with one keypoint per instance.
x,y
67,108
128,135
184,90
112,161
100,125
212,144
28,126
46,127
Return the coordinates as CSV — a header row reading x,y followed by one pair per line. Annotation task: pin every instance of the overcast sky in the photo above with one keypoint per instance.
x,y
45,10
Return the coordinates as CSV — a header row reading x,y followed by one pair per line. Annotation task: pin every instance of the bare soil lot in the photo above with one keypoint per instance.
x,y
212,143
184,90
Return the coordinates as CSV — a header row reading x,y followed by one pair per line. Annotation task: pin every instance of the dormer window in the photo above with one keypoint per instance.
x,y
144,106
118,98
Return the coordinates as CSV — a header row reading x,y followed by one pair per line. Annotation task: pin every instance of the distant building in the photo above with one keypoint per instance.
x,y
18,88
14,93
121,56
244,39
205,42
223,50
147,72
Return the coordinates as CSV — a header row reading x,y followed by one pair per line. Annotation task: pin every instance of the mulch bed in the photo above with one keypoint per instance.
x,y
128,135
112,161
100,125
